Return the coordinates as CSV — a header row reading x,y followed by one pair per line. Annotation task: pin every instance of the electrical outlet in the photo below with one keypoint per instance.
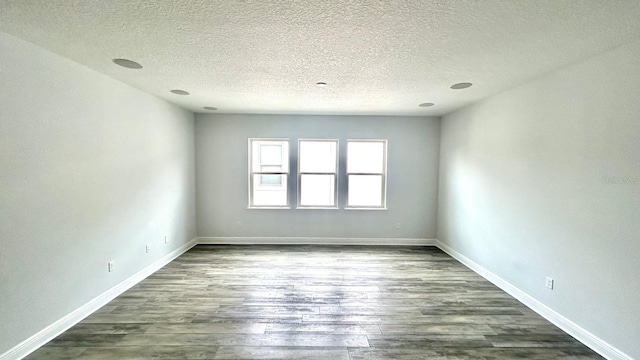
x,y
148,248
549,283
166,239
397,225
239,223
111,265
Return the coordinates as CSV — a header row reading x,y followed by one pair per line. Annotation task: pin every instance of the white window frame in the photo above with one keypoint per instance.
x,y
334,173
251,173
383,200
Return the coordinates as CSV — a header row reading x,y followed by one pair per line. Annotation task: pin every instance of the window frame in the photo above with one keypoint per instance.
x,y
383,192
335,176
286,164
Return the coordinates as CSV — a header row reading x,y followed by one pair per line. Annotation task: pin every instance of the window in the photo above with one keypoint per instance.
x,y
366,173
268,173
317,173
317,180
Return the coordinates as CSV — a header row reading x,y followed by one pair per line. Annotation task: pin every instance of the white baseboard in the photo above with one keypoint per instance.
x,y
587,338
315,241
47,334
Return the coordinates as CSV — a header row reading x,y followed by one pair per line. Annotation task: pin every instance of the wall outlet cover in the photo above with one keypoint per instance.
x,y
549,283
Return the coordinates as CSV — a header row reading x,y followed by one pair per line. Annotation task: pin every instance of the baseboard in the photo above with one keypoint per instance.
x,y
587,338
315,241
47,334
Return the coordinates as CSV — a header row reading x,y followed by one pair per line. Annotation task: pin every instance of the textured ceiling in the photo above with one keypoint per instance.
x,y
378,57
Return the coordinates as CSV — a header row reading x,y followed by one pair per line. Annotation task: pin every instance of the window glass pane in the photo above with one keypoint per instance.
x,y
365,157
269,155
365,190
272,192
317,156
266,180
317,190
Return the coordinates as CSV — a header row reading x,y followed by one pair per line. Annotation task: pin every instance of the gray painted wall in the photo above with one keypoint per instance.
x,y
91,170
544,180
221,158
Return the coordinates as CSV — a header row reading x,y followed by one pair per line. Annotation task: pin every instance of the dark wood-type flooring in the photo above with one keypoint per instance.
x,y
314,302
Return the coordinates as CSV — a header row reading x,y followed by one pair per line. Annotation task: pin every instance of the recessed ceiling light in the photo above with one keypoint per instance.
x,y
127,63
210,108
426,104
180,92
459,86
321,84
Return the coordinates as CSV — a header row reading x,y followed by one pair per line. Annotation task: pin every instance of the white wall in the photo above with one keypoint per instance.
x,y
221,157
91,170
544,180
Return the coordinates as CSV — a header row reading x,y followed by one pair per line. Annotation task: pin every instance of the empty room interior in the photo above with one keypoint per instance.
x,y
319,179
